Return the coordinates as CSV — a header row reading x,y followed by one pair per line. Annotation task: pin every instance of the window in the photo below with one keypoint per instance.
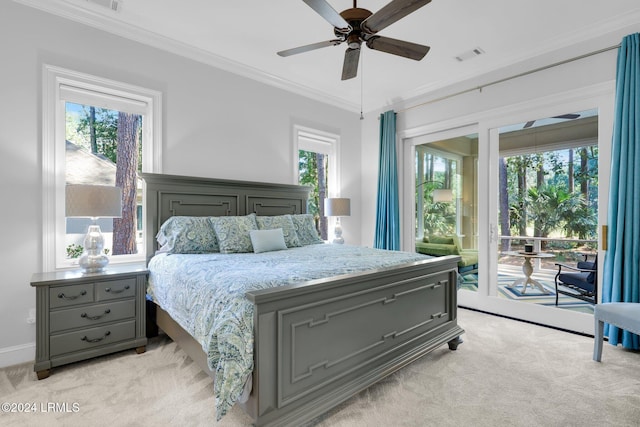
x,y
317,167
101,132
436,171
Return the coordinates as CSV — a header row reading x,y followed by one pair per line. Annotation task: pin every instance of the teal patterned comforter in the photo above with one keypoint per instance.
x,y
205,294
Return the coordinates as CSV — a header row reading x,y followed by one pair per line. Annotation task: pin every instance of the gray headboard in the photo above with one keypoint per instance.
x,y
171,195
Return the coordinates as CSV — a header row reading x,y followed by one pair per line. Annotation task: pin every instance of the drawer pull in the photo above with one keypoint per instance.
x,y
99,316
62,295
118,291
92,340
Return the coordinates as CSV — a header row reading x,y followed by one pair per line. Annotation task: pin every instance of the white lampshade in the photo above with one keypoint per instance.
x,y
337,206
442,195
93,201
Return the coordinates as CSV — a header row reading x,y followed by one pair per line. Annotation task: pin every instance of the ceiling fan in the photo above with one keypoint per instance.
x,y
570,116
355,26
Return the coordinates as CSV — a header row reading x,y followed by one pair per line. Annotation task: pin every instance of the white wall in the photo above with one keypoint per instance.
x,y
216,124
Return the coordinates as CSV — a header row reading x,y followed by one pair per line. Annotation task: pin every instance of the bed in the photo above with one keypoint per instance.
x,y
383,318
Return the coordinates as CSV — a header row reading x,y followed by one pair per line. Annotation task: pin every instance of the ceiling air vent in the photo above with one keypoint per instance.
x,y
109,4
470,54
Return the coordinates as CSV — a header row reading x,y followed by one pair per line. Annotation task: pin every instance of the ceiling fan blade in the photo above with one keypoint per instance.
x,y
398,47
528,124
325,10
390,13
307,48
350,66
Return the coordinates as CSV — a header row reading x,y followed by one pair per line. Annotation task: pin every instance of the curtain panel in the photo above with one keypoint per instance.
x,y
388,205
621,275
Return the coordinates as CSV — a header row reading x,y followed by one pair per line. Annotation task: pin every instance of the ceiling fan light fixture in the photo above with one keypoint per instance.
x,y
353,41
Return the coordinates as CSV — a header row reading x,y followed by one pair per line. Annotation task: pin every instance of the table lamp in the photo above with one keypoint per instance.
x,y
93,201
337,207
440,195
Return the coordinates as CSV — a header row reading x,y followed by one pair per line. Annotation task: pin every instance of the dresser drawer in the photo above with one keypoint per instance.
x,y
113,289
85,339
62,296
87,316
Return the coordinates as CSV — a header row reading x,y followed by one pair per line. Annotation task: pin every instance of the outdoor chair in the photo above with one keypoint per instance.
x,y
581,281
624,315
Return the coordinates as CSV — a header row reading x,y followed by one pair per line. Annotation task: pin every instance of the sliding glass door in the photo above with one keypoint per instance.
x,y
445,214
548,208
533,178
545,204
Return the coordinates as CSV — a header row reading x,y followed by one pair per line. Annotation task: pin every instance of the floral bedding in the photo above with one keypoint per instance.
x,y
205,295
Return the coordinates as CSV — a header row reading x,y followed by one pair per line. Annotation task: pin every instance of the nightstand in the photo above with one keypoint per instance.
x,y
80,316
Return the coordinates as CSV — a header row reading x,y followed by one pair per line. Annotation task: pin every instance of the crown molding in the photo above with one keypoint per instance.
x,y
90,17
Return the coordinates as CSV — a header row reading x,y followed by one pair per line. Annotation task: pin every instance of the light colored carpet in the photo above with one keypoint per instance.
x,y
506,373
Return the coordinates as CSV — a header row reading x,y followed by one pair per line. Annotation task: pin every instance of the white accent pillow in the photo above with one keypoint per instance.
x,y
267,240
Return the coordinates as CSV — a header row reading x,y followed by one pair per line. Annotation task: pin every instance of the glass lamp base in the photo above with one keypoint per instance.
x,y
93,260
337,233
93,263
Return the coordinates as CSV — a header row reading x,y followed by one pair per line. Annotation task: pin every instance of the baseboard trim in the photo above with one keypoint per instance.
x,y
17,355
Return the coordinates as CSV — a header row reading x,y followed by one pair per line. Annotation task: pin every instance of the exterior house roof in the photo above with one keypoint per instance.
x,y
87,168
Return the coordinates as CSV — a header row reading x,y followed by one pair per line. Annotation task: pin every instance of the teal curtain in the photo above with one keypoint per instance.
x,y
621,276
388,207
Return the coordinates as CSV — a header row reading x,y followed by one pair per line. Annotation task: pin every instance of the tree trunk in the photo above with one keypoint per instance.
x,y
504,206
522,191
537,226
570,172
125,228
322,194
584,181
92,130
430,165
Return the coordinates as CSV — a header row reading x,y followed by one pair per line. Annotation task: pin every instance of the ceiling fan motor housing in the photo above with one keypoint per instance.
x,y
354,18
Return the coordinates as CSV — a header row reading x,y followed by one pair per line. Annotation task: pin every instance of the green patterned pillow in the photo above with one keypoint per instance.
x,y
187,235
281,221
305,226
233,232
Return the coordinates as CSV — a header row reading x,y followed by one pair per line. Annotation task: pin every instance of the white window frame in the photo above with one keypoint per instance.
x,y
62,85
322,142
318,141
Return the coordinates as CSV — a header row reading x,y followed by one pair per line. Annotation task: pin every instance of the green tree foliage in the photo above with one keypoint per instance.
x,y
541,196
439,218
308,175
116,136
105,127
312,172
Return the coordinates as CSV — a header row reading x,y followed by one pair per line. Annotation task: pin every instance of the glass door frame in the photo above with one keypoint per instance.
x,y
486,125
408,202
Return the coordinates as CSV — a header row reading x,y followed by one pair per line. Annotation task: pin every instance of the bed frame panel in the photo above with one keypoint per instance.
x,y
320,342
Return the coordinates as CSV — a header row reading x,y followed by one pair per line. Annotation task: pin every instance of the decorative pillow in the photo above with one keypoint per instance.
x,y
585,265
283,222
233,232
306,230
267,240
441,240
187,235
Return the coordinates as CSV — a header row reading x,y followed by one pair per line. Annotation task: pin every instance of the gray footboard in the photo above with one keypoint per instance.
x,y
320,343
